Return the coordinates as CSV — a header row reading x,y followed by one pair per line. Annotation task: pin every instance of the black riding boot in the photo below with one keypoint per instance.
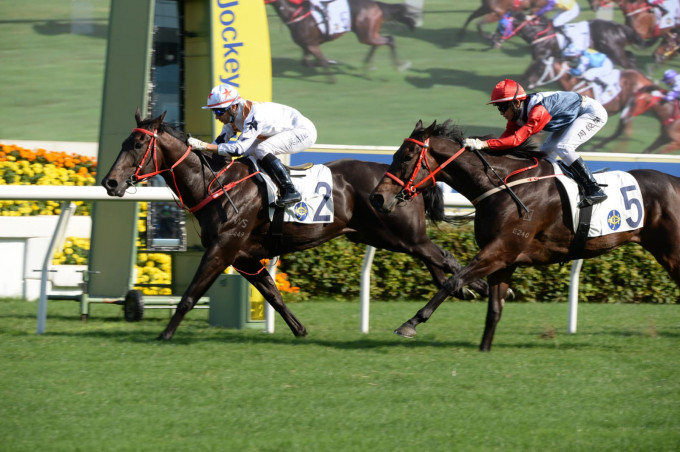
x,y
592,192
287,192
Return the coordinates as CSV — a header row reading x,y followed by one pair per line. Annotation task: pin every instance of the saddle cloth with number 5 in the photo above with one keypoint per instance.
x,y
623,209
316,187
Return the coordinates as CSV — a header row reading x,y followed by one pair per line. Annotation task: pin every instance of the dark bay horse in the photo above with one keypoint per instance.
x,y
606,36
367,17
508,237
493,10
245,237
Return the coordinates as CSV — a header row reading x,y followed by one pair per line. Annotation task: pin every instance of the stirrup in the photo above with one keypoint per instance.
x,y
281,201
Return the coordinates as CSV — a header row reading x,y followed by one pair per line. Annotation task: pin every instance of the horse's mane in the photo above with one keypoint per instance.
x,y
215,161
448,129
528,149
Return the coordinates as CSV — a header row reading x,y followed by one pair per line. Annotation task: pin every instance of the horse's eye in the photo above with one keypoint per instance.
x,y
138,145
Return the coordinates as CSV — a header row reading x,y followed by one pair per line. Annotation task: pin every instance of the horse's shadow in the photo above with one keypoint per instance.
x,y
234,337
89,28
292,68
428,77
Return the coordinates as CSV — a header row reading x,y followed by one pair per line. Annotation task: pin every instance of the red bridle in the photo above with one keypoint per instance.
x,y
212,195
153,145
409,188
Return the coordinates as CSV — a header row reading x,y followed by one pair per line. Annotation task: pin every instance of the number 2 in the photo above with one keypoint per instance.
x,y
327,195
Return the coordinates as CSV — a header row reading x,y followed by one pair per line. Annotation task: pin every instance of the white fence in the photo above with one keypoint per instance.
x,y
73,193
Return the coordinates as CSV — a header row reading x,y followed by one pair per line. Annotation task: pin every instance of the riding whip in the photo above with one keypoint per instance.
x,y
512,193
200,154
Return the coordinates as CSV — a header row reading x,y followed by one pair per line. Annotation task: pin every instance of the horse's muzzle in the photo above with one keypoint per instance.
x,y
113,188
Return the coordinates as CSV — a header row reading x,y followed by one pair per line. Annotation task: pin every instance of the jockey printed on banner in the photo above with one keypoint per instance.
x,y
331,16
316,187
621,211
595,68
667,13
576,34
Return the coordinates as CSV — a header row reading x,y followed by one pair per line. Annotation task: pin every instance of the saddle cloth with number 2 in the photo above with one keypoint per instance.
x,y
623,209
316,187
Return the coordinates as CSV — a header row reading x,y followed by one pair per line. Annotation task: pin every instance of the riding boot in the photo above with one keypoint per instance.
x,y
592,192
287,192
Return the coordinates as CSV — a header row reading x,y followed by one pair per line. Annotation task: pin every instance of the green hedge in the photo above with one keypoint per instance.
x,y
628,274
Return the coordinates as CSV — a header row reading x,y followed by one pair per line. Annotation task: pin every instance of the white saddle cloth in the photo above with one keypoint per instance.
x,y
621,211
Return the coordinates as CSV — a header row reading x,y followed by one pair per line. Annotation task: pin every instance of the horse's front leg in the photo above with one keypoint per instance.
x,y
483,264
212,264
498,288
260,278
478,268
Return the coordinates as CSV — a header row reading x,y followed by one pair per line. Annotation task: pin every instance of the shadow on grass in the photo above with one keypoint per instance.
x,y
290,68
188,337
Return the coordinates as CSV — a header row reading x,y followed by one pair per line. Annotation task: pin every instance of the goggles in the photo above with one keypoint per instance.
x,y
503,107
219,111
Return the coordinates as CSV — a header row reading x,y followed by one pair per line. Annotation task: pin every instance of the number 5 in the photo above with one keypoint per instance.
x,y
629,203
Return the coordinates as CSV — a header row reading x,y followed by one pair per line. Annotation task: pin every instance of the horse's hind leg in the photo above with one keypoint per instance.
x,y
498,288
663,241
256,275
482,10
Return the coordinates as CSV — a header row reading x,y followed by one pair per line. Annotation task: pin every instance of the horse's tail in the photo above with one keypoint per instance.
x,y
434,203
401,12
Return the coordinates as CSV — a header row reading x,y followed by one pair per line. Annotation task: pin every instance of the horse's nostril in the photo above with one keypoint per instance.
x,y
377,200
110,183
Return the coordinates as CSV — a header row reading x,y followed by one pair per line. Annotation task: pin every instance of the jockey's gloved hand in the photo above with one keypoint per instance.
x,y
197,144
474,144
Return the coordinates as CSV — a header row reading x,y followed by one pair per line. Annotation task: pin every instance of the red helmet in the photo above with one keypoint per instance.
x,y
506,91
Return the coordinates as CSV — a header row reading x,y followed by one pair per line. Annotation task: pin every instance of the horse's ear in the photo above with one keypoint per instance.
x,y
159,120
419,124
138,116
430,129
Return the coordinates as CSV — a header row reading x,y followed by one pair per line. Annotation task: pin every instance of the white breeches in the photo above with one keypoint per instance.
x,y
288,142
563,143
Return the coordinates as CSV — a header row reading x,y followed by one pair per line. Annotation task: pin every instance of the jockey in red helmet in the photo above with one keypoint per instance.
x,y
573,119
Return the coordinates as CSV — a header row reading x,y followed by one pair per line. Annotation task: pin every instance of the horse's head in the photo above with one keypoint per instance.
x,y
139,157
415,165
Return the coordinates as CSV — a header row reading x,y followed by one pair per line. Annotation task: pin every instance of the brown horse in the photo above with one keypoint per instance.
x,y
650,99
639,15
366,19
509,237
493,10
668,47
234,222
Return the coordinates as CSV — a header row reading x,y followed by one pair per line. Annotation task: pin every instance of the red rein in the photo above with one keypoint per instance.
x,y
153,145
409,187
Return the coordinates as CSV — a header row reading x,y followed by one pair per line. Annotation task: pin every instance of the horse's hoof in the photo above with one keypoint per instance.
x,y
404,66
406,330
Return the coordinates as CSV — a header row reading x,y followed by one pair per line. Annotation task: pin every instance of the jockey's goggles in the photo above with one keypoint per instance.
x,y
219,111
503,107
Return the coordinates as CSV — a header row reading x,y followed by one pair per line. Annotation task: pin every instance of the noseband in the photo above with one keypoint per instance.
x,y
409,189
